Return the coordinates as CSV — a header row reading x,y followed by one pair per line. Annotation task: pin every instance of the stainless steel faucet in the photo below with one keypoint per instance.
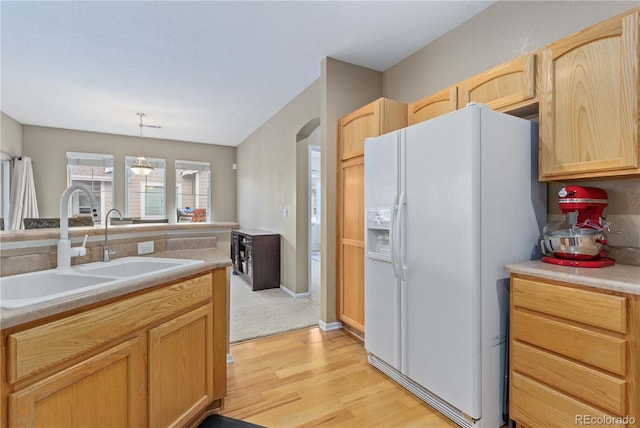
x,y
106,252
65,252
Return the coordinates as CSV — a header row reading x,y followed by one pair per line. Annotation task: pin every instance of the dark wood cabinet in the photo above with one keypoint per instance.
x,y
256,257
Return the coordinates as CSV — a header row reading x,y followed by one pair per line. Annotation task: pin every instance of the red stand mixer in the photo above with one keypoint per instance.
x,y
577,239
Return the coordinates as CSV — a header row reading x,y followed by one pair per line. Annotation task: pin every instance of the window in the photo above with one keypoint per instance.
x,y
94,171
193,191
146,193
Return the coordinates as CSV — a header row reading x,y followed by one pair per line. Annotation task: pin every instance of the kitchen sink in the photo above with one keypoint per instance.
x,y
18,291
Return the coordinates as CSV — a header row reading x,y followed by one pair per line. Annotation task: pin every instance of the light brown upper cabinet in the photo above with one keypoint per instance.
x,y
443,101
509,87
589,102
374,119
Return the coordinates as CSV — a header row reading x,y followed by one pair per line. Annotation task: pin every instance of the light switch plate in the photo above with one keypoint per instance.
x,y
145,247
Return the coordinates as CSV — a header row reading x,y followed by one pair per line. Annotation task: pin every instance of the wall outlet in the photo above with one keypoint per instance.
x,y
145,247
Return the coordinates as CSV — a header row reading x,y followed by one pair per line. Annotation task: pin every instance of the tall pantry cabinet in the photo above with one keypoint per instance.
x,y
379,117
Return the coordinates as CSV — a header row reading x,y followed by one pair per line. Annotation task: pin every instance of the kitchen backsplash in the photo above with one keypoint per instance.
x,y
38,250
623,213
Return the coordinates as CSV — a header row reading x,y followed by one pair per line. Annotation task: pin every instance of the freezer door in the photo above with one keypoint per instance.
x,y
381,171
381,293
440,300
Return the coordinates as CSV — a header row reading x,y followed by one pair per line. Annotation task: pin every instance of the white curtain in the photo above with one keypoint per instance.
x,y
22,203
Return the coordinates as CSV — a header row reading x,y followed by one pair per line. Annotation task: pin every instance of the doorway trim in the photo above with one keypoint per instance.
x,y
312,148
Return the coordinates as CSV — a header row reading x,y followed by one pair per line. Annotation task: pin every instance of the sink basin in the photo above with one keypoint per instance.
x,y
30,288
18,291
130,267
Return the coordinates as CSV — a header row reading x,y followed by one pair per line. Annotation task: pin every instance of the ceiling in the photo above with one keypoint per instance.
x,y
205,71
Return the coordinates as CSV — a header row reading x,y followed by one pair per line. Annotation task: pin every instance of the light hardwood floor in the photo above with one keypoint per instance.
x,y
313,378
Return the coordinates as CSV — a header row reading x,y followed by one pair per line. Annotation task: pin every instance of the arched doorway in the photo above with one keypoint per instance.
x,y
308,195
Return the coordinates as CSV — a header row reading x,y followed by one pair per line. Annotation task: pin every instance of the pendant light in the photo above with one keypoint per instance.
x,y
141,165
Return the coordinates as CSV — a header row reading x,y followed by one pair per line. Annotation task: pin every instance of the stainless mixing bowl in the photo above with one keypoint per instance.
x,y
570,245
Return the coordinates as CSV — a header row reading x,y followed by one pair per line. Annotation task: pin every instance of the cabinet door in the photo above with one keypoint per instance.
x,y
181,368
107,390
444,101
508,87
354,128
351,244
376,118
589,102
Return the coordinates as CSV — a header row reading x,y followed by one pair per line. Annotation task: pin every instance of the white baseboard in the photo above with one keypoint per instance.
x,y
337,325
294,295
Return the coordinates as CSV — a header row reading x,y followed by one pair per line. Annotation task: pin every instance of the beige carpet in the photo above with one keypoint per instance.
x,y
262,313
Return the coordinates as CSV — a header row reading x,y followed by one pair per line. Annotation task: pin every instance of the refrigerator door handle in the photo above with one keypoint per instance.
x,y
392,231
399,240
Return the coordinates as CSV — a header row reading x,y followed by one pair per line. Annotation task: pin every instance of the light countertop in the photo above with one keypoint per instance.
x,y
621,278
212,257
79,232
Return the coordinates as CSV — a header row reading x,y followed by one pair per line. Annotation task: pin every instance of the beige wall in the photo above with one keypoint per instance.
x,y
48,146
504,31
346,87
267,178
10,135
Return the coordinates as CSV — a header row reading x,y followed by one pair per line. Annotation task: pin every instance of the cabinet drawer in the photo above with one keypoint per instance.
x,y
597,309
585,383
597,349
44,346
535,405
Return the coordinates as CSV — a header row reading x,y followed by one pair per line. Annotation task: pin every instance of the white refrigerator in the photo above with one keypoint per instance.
x,y
448,202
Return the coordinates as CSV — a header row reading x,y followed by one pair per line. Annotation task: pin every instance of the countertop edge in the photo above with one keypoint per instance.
x,y
212,257
9,236
620,278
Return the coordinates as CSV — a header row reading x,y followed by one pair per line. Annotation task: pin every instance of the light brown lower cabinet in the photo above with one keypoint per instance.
x,y
574,355
155,359
180,367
